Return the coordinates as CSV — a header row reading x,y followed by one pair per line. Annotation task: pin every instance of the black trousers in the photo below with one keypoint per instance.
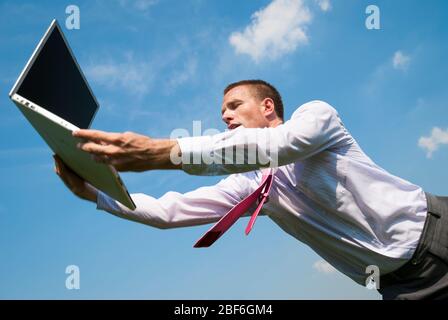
x,y
425,276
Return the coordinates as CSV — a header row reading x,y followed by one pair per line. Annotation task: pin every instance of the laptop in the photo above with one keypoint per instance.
x,y
53,94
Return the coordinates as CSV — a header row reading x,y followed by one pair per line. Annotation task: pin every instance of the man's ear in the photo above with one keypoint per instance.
x,y
269,108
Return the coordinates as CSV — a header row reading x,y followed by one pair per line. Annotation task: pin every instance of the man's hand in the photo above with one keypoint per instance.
x,y
74,182
129,151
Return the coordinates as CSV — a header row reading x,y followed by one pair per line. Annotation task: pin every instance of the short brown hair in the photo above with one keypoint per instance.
x,y
263,90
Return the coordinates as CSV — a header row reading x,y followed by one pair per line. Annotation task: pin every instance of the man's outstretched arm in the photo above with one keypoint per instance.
x,y
130,151
200,206
313,128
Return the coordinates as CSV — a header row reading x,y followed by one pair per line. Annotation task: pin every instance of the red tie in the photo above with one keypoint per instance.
x,y
261,193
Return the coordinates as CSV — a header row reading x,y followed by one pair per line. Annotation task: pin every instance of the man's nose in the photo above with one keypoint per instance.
x,y
227,117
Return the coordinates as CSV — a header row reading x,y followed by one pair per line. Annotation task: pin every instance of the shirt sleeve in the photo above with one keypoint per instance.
x,y
201,206
314,127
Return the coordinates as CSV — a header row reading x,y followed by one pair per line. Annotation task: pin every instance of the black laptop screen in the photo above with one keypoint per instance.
x,y
55,83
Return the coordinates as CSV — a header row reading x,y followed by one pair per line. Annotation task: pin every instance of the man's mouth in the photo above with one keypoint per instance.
x,y
233,126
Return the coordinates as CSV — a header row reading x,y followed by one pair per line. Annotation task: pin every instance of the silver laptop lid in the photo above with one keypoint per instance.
x,y
53,80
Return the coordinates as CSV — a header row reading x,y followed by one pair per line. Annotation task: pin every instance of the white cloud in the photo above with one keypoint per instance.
x,y
138,76
431,144
142,5
274,31
134,76
401,61
324,267
325,5
383,72
180,77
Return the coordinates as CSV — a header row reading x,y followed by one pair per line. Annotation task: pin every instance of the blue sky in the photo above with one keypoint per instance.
x,y
160,65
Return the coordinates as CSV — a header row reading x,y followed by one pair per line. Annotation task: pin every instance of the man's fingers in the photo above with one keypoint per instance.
x,y
101,158
60,166
63,171
56,164
97,135
97,149
71,180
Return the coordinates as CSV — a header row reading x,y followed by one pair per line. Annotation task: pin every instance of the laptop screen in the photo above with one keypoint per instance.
x,y
55,83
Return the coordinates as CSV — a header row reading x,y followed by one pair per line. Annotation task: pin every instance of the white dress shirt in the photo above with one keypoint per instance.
x,y
326,192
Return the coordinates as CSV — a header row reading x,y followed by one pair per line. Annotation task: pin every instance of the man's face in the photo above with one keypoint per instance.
x,y
241,107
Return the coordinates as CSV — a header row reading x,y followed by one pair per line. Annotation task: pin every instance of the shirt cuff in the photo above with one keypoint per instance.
x,y
197,154
106,203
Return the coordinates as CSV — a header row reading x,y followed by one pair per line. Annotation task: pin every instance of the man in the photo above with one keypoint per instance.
x,y
326,192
